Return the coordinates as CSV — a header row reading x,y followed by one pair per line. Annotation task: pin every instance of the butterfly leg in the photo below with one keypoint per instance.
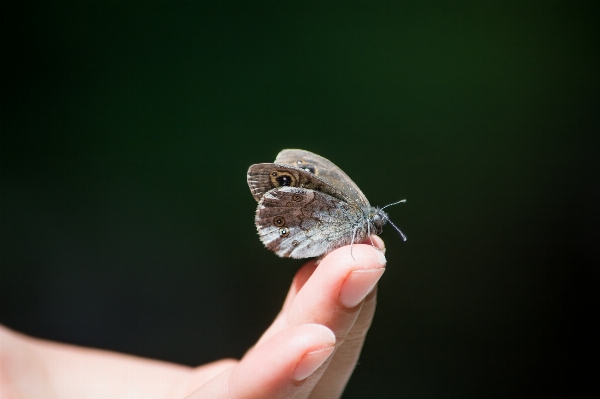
x,y
369,233
372,243
352,242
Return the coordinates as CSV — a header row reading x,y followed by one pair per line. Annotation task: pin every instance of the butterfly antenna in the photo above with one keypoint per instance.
x,y
395,203
396,227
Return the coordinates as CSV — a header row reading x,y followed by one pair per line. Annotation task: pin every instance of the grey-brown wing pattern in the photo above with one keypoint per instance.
x,y
301,223
263,177
324,169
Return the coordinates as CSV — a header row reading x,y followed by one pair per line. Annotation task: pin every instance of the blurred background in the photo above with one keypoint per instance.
x,y
126,222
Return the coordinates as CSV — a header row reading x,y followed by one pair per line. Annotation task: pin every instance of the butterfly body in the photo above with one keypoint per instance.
x,y
308,207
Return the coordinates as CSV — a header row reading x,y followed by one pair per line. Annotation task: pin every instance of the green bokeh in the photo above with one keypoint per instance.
x,y
128,127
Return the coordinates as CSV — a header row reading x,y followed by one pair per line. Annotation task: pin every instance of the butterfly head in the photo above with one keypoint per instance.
x,y
377,218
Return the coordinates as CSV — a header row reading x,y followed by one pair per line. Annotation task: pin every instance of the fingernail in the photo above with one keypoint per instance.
x,y
311,362
358,284
381,256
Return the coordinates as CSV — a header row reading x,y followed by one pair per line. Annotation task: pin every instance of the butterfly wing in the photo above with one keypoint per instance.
x,y
297,222
324,169
263,177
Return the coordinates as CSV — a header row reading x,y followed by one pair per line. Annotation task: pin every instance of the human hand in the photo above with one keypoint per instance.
x,y
309,351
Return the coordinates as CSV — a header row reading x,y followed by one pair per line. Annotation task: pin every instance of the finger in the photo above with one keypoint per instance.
x,y
206,372
375,240
346,356
279,368
333,296
301,277
309,267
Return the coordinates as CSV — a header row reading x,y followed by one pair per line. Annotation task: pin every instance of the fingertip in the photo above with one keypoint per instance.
x,y
323,340
288,357
311,363
381,257
377,241
359,256
321,334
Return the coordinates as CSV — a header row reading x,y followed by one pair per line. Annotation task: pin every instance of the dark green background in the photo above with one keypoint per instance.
x,y
127,224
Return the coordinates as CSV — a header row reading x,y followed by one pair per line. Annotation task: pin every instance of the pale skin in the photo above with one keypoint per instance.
x,y
309,351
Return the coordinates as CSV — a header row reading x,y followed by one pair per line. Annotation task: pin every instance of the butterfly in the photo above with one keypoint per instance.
x,y
307,206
